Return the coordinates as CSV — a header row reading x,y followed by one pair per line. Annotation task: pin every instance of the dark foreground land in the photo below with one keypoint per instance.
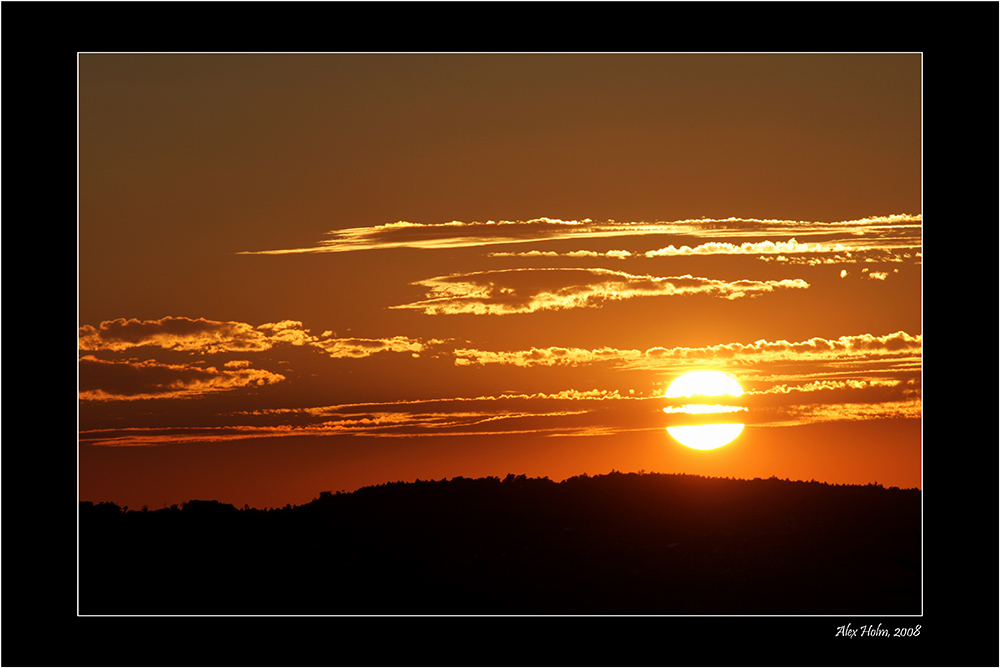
x,y
644,544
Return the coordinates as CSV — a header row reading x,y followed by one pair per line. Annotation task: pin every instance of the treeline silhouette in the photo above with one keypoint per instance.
x,y
620,543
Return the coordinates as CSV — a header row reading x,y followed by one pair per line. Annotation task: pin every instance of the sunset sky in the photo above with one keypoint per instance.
x,y
309,272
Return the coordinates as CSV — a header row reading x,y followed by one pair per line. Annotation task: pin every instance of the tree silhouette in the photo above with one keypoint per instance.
x,y
620,543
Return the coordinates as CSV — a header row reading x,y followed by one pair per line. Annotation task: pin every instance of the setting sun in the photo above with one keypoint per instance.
x,y
704,384
706,436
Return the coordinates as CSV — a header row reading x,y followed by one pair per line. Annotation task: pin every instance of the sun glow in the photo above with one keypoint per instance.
x,y
704,384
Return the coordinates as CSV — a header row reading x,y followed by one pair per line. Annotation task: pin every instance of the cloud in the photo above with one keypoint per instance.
x,y
568,411
173,333
747,248
357,347
441,404
404,234
862,346
291,332
502,292
832,399
384,425
902,227
789,252
102,380
855,256
816,348
531,253
619,254
211,337
820,385
552,356
838,412
453,234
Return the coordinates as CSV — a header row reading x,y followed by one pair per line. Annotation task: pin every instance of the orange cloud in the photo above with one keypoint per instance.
x,y
551,356
819,385
211,337
581,412
357,347
173,333
886,386
501,292
288,331
619,254
404,234
463,234
862,346
747,248
854,256
129,380
794,415
814,349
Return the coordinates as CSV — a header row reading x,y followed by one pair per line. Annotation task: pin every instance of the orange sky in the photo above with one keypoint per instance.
x,y
314,272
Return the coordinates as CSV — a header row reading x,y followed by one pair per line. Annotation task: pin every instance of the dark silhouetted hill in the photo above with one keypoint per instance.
x,y
647,544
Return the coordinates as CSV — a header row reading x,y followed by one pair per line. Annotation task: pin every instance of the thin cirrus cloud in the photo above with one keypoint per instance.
x,y
617,254
384,425
892,230
527,290
567,412
454,234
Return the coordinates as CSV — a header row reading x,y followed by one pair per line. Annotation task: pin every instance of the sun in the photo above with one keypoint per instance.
x,y
706,436
704,384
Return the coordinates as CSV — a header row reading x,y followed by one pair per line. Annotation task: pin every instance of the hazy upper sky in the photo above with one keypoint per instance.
x,y
302,272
